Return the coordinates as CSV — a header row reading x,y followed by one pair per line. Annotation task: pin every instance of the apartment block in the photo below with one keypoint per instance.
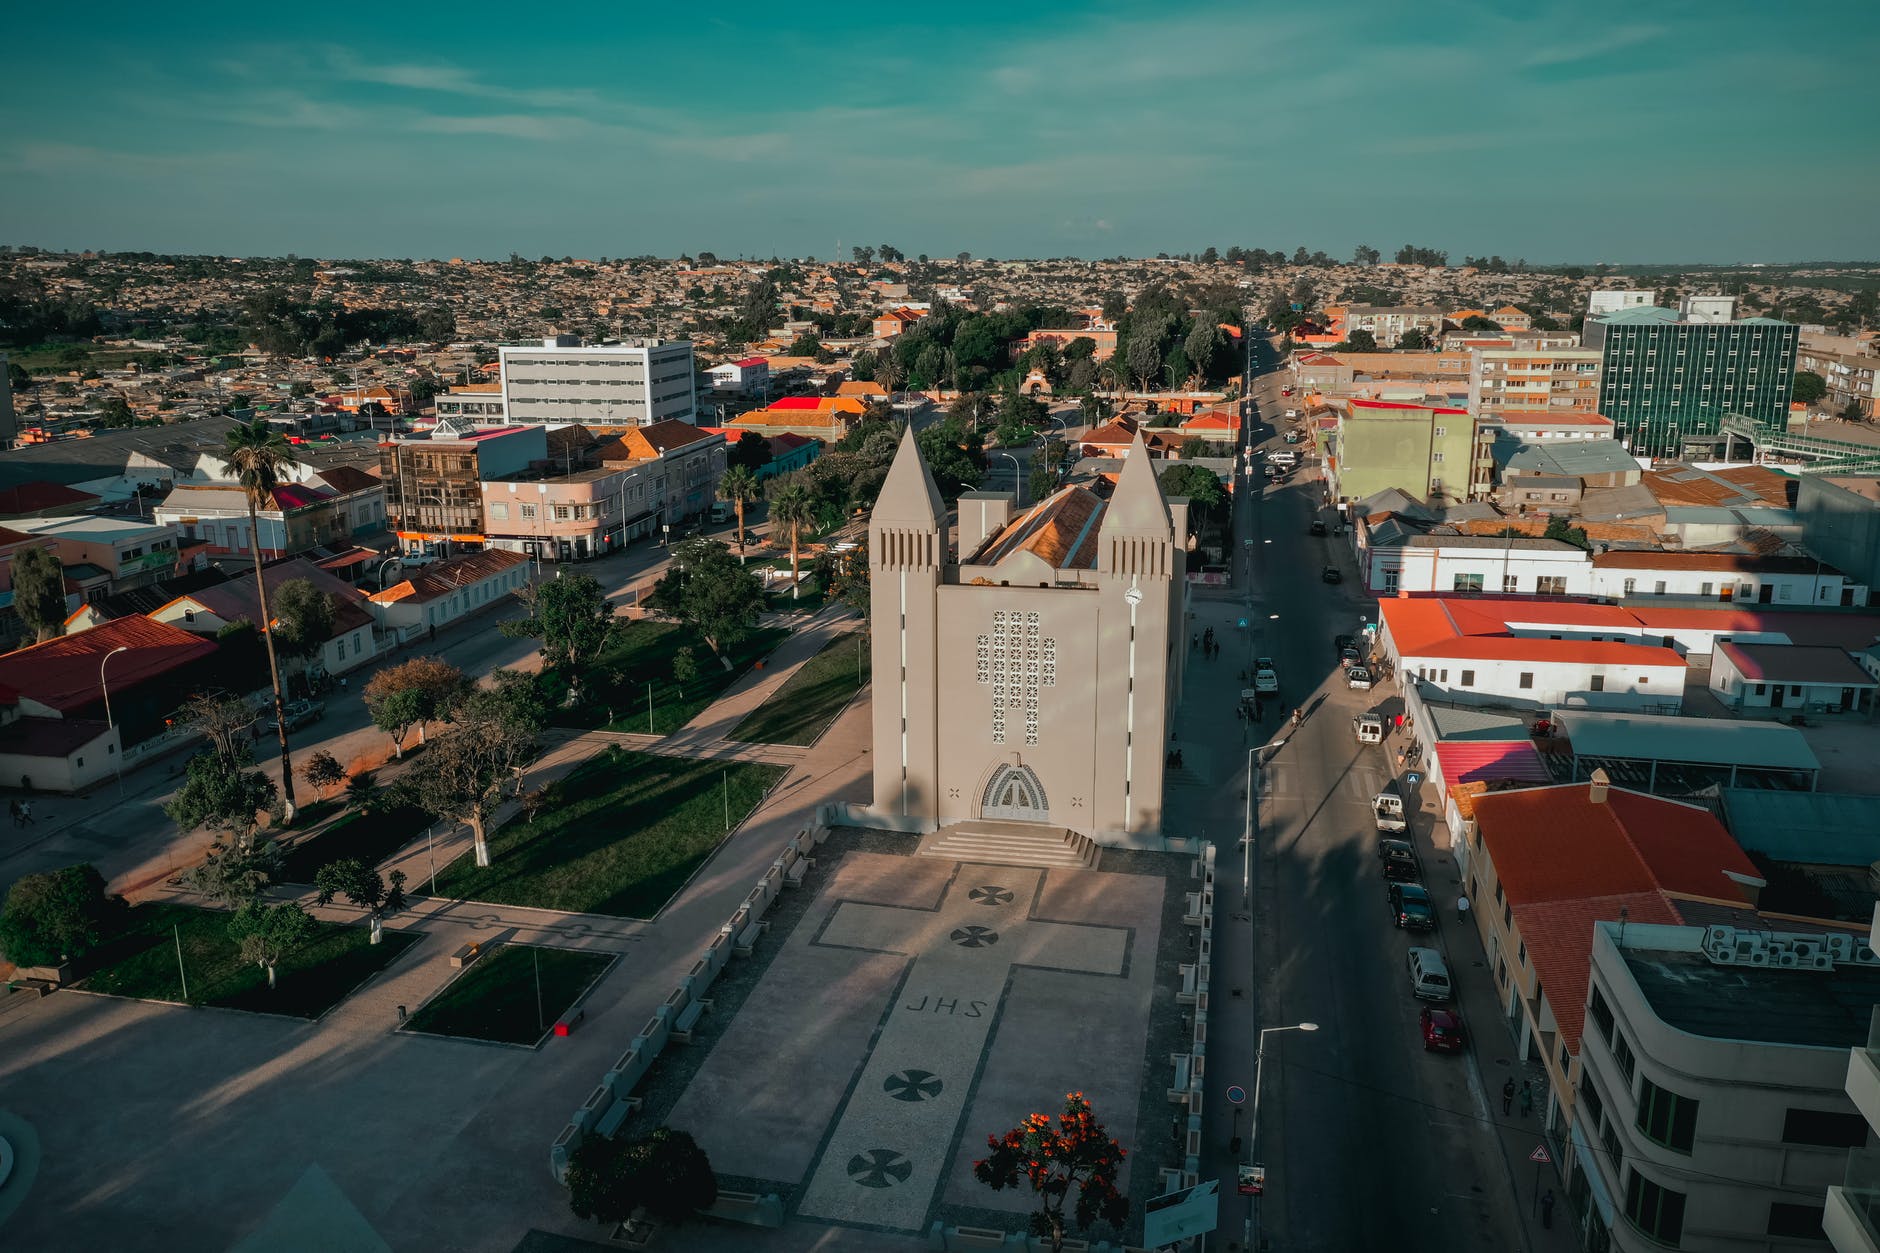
x,y
1613,301
571,516
1423,449
434,485
1523,382
1387,324
1667,376
1853,379
1712,1110
634,383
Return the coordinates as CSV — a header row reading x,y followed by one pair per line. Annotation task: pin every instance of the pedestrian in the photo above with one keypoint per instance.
x,y
401,1013
1400,722
1507,1094
1194,642
1462,908
1527,1097
26,813
13,807
1547,1209
1259,710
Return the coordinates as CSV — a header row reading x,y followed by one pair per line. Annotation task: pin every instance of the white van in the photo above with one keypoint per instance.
x,y
1429,975
1285,457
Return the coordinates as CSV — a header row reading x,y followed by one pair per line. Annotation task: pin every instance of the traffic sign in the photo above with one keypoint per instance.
x,y
1540,1155
1236,1094
1413,778
1243,624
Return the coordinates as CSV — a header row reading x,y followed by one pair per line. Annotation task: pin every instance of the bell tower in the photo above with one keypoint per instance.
x,y
907,555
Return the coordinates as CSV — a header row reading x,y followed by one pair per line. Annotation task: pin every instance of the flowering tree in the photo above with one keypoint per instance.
x,y
1077,1156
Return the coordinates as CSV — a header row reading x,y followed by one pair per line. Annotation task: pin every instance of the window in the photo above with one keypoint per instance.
x,y
1665,1117
1622,1055
1658,589
1800,1221
1527,680
1589,1097
1436,457
1824,1127
1439,433
1468,678
499,512
1601,1013
1599,683
1510,583
1468,583
1654,1210
528,511
1706,589
1551,585
1615,1152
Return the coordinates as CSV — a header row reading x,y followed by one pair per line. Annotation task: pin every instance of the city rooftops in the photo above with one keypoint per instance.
x,y
1658,315
1672,738
1818,664
1806,1008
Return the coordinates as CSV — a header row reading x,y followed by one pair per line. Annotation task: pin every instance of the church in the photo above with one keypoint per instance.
x,y
1025,669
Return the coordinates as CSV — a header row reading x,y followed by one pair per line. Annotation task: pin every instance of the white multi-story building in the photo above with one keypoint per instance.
x,y
634,383
1612,301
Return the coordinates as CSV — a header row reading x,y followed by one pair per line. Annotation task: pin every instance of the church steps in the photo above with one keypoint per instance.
x,y
1012,844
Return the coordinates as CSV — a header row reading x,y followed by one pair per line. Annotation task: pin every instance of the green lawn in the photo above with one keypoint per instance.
x,y
626,831
642,653
797,712
313,979
369,835
495,999
62,358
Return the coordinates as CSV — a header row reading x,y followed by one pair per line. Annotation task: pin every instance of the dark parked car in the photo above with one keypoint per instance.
x,y
1342,642
1318,527
1349,657
1442,1030
1410,907
1399,860
1330,574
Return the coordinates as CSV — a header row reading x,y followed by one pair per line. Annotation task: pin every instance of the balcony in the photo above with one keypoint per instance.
x,y
1863,1075
1852,1216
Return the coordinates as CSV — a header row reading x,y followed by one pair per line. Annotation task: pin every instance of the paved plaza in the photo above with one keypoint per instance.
x,y
920,1005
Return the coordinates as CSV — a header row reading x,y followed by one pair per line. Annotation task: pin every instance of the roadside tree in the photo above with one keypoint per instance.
x,y
462,776
739,485
323,772
39,592
268,933
794,508
58,915
259,454
665,1174
1809,387
707,589
411,694
572,618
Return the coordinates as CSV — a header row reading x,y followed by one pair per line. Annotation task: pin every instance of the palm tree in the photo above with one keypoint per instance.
x,y
739,485
793,506
257,453
890,374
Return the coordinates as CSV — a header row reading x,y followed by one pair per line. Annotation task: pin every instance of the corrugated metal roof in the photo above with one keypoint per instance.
x,y
1466,761
1813,828
1699,741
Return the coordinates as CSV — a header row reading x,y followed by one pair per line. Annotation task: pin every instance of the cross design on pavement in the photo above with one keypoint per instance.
x,y
879,1168
912,1085
974,937
991,895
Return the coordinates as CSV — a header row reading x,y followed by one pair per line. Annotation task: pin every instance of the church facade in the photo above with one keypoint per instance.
x,y
1026,668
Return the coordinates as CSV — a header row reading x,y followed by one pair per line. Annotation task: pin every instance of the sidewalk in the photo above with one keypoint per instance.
x,y
1491,1040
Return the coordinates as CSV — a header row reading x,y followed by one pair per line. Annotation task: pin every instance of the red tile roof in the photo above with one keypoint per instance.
x,y
1398,404
62,673
1557,843
1559,939
1457,628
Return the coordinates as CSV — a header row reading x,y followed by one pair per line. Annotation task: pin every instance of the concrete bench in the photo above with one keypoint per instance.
x,y
747,938
1179,1091
793,877
467,955
975,1238
1190,973
750,1208
1191,913
683,1025
616,1117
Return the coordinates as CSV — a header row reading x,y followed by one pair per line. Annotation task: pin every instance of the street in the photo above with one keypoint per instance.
x,y
1368,1140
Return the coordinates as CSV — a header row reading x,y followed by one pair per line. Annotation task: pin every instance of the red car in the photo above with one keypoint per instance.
x,y
1442,1030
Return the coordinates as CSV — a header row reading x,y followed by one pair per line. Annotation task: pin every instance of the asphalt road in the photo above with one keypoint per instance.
x,y
1368,1141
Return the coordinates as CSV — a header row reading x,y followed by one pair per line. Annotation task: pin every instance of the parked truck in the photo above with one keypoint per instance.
x,y
1389,809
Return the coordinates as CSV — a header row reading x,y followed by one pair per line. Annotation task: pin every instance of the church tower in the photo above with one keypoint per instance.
x,y
1140,576
907,553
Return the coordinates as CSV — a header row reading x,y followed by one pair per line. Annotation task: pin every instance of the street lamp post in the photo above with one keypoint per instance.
x,y
117,760
1018,484
1253,1125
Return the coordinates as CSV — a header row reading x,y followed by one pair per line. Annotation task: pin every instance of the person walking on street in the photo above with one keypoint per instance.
x,y
26,813
1507,1095
1527,1097
1462,909
1547,1209
13,807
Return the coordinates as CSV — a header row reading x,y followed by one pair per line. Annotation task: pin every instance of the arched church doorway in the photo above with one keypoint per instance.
x,y
1014,795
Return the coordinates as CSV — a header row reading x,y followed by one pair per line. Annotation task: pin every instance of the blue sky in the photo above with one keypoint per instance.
x,y
1719,130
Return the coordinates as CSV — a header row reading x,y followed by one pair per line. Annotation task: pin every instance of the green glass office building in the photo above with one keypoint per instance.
x,y
1664,379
